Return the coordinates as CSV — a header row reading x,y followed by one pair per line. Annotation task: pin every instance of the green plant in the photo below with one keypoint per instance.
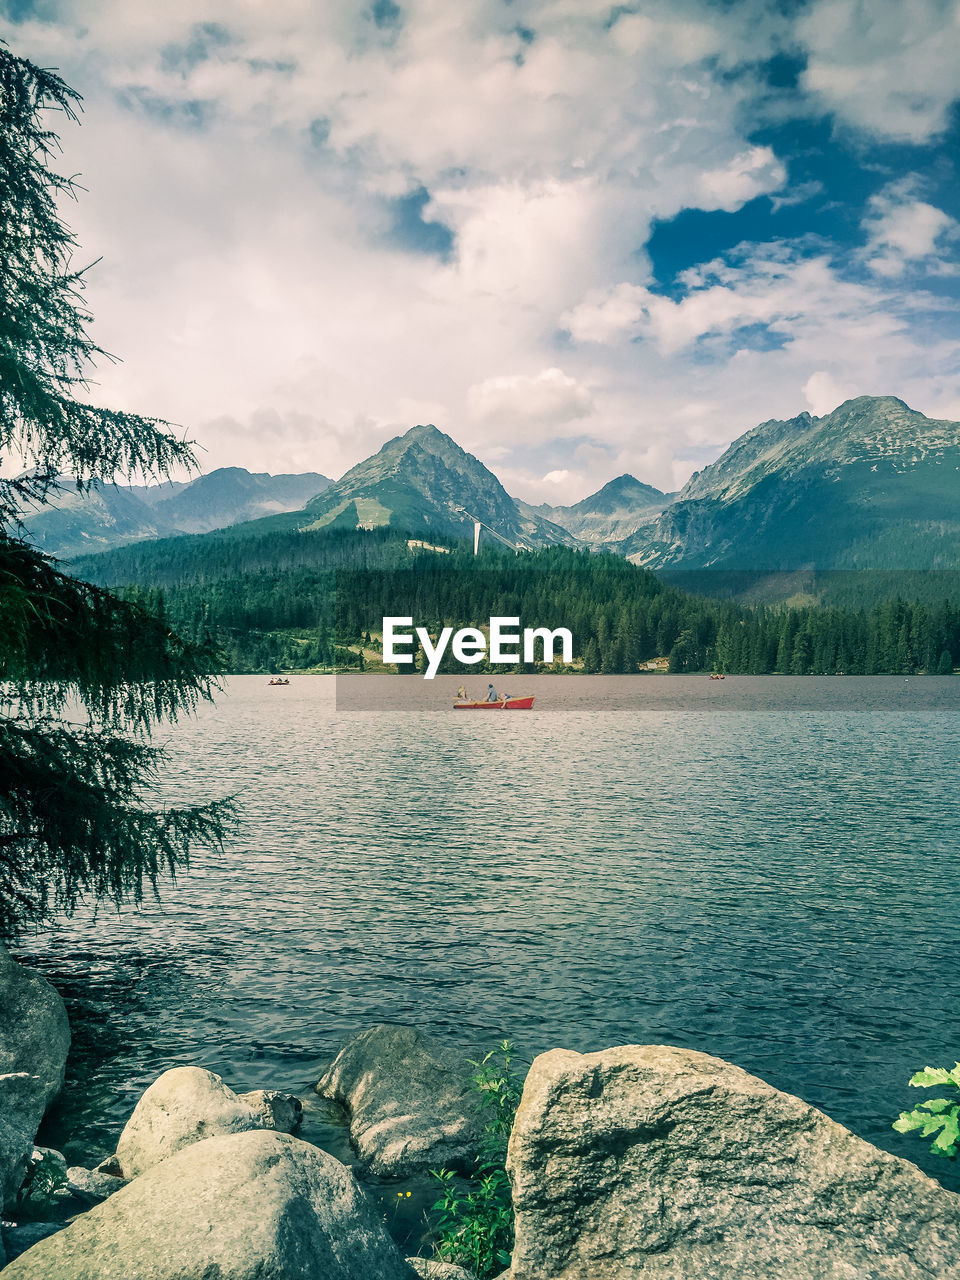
x,y
939,1116
473,1219
37,1198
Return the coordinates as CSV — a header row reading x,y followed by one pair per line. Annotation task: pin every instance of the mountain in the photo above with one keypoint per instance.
x,y
423,480
611,514
872,485
108,515
231,495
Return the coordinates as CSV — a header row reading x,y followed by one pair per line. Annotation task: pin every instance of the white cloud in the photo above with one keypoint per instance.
x,y
549,399
241,161
824,392
888,68
781,291
557,477
752,173
904,231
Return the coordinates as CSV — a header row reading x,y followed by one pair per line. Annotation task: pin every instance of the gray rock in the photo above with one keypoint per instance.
x,y
184,1105
666,1164
34,1041
409,1100
250,1206
280,1111
19,1237
431,1269
92,1186
111,1165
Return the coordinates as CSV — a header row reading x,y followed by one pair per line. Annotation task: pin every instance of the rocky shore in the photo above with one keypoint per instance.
x,y
642,1161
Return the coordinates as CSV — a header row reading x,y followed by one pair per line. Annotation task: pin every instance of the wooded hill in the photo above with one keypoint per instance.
x,y
299,600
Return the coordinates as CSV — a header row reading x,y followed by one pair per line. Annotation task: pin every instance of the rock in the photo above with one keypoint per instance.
x,y
667,1164
184,1105
431,1269
410,1102
19,1237
110,1165
280,1111
34,1041
91,1186
250,1206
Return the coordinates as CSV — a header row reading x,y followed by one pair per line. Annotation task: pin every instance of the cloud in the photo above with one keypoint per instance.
x,y
754,172
775,294
904,231
887,68
321,224
549,399
824,392
556,477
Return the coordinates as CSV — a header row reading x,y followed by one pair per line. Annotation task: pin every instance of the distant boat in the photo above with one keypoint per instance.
x,y
278,680
502,704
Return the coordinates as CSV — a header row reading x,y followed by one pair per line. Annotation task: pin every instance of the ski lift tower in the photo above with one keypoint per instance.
x,y
480,524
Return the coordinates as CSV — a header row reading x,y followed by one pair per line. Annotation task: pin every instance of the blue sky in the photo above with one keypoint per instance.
x,y
581,238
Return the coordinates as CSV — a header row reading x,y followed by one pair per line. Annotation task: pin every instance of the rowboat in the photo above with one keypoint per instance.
x,y
502,704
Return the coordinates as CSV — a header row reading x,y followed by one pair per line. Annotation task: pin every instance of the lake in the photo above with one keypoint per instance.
x,y
762,868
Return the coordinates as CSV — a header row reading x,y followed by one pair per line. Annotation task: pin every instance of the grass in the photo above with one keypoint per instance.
x,y
473,1218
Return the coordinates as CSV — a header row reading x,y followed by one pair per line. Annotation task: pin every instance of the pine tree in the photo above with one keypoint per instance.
x,y
75,814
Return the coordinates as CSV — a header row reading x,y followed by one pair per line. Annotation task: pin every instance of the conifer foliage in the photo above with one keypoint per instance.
x,y
84,675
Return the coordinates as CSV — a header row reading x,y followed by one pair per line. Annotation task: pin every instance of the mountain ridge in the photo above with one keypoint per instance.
x,y
873,484
615,511
73,522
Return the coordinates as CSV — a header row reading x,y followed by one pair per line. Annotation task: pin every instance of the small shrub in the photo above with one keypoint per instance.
x,y
938,1118
473,1219
37,1198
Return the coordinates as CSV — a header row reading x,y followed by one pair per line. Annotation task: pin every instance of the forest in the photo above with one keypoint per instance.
x,y
290,600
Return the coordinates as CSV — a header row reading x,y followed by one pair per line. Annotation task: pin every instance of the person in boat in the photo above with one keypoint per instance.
x,y
462,694
492,695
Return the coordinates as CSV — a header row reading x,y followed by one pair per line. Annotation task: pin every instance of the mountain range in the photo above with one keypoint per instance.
x,y
76,523
874,484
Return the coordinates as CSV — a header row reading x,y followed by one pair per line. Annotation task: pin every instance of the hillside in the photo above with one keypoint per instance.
x,y
304,600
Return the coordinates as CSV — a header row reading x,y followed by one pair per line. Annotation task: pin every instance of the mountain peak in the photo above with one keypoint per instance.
x,y
424,480
424,433
860,406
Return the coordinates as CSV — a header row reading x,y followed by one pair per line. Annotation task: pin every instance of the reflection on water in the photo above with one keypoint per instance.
x,y
765,869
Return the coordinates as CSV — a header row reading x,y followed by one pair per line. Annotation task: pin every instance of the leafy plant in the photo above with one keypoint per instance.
x,y
935,1116
45,1176
474,1216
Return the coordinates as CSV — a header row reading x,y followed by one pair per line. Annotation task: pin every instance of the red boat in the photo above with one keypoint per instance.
x,y
502,704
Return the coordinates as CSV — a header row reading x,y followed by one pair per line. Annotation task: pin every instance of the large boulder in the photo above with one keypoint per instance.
x,y
410,1101
34,1042
185,1105
666,1164
252,1206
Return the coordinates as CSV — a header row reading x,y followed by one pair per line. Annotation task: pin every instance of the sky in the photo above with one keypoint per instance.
x,y
581,238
